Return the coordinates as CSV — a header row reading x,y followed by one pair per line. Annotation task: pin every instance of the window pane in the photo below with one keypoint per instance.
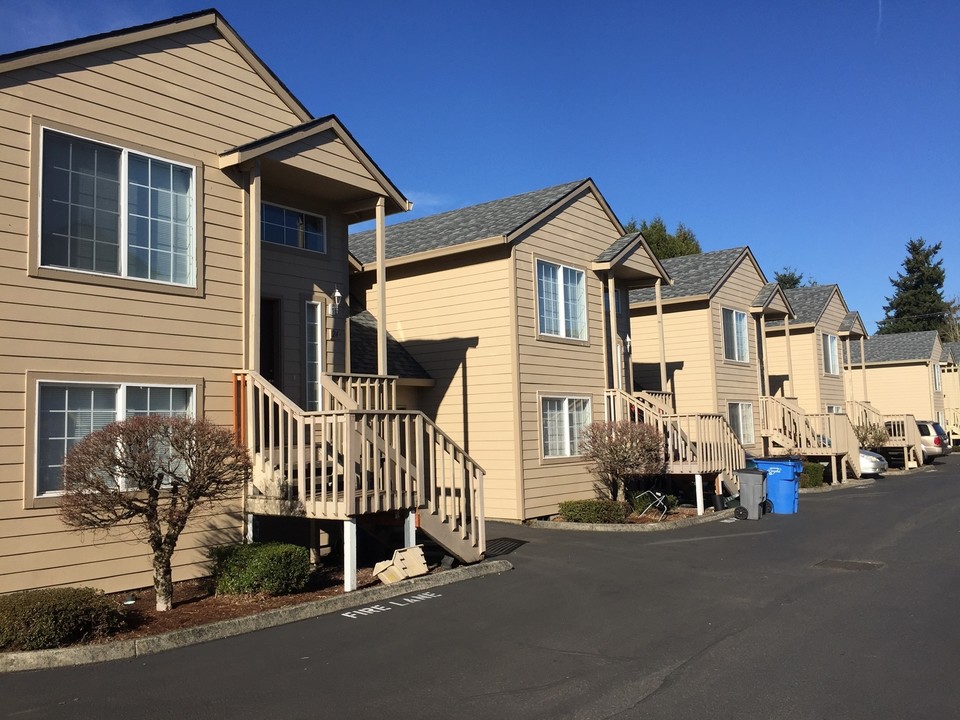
x,y
553,427
579,415
548,297
66,414
150,214
80,202
574,304
742,343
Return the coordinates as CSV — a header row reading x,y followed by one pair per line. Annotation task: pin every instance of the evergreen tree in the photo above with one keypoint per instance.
x,y
788,278
917,302
663,243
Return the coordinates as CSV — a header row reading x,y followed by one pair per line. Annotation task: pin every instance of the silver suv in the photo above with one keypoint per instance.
x,y
933,440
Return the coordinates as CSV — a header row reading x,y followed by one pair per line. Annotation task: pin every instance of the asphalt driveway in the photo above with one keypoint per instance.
x,y
846,609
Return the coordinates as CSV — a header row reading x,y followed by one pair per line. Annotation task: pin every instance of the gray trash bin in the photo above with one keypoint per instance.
x,y
753,494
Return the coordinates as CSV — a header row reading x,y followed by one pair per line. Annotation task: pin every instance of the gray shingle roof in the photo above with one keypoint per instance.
x,y
363,350
808,303
897,347
849,321
692,275
455,227
765,295
618,245
952,349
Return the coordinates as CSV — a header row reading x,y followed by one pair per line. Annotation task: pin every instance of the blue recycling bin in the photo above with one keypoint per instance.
x,y
783,484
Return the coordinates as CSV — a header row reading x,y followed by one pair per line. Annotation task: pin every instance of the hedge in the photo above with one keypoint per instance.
x,y
271,568
55,617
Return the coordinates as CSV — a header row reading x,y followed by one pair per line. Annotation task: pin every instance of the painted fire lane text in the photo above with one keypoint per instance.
x,y
393,604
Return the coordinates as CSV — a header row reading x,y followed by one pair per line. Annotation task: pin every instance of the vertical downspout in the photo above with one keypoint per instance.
x,y
663,345
381,289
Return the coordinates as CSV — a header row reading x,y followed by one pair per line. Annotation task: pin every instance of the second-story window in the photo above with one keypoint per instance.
x,y
735,345
937,383
561,300
293,228
112,211
831,357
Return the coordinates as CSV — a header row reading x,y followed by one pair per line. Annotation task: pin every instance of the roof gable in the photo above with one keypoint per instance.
x,y
696,276
497,221
140,33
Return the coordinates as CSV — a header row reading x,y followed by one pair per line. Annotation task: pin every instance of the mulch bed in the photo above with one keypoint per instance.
x,y
195,604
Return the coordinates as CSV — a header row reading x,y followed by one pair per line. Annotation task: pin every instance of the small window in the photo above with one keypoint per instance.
x,y
831,362
562,419
561,299
112,211
835,409
68,412
741,421
735,344
283,226
937,386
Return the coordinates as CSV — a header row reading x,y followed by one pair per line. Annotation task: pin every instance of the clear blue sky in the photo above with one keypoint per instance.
x,y
825,135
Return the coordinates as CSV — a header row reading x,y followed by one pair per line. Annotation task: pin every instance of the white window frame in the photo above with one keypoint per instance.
x,y
937,380
314,335
831,354
120,413
561,301
571,445
740,351
301,236
834,409
740,416
124,211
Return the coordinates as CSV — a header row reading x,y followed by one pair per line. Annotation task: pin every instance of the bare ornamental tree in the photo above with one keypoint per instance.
x,y
149,473
620,449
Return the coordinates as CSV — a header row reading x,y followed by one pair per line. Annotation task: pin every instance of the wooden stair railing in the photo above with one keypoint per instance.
x,y
336,464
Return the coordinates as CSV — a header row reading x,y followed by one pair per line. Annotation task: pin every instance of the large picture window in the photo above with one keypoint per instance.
x,y
113,211
831,356
293,228
561,300
741,421
563,419
68,412
735,343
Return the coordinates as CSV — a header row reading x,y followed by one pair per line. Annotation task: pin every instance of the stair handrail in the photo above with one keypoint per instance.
x,y
359,460
862,413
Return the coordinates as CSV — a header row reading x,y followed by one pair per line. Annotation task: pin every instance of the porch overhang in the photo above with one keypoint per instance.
x,y
321,156
630,260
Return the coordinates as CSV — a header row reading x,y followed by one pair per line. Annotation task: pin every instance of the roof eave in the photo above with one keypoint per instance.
x,y
492,241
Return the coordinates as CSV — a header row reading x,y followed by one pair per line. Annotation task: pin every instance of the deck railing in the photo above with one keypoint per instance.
x,y
903,432
373,392
662,400
336,464
695,443
863,414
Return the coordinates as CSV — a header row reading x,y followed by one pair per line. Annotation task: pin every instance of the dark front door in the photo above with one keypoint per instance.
x,y
270,340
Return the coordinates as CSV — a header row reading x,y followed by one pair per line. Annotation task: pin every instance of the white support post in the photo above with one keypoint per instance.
x,y
349,554
248,529
698,486
410,529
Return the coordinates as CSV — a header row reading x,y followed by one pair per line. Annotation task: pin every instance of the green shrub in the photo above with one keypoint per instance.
x,y
812,475
871,436
271,568
594,511
54,617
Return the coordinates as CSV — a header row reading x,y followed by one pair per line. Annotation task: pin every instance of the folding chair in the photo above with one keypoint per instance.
x,y
653,499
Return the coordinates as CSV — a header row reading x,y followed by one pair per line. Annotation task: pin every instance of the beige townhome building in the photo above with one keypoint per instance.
x,y
903,373
951,389
517,310
173,239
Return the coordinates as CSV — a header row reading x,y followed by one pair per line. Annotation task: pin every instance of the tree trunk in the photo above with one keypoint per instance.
x,y
163,582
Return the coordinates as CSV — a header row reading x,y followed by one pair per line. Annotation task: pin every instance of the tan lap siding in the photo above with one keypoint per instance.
x,y
898,389
454,318
688,353
573,237
183,97
831,386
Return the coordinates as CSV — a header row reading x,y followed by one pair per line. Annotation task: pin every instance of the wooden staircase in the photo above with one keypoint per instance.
x,y
788,430
695,443
902,432
351,460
